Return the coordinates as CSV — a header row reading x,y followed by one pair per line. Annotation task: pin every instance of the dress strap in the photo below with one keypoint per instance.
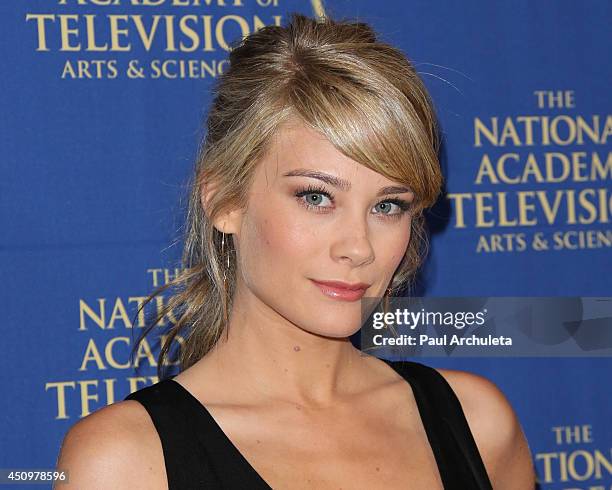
x,y
169,411
459,461
197,453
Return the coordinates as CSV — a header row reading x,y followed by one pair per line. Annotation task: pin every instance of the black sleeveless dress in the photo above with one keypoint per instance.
x,y
198,454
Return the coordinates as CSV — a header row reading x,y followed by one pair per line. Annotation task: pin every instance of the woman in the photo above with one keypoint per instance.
x,y
319,159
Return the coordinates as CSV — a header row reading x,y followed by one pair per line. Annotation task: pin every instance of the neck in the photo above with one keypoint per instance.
x,y
266,355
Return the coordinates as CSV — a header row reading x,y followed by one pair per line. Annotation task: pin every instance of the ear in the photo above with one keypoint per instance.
x,y
227,222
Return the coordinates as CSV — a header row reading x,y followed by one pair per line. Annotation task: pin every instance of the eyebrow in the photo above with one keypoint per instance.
x,y
342,184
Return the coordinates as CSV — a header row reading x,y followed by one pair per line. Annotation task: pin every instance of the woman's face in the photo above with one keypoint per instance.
x,y
316,215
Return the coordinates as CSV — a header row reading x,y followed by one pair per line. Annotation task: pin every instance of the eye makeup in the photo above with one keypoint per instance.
x,y
403,205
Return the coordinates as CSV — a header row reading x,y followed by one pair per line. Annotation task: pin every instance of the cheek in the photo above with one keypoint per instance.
x,y
394,248
274,242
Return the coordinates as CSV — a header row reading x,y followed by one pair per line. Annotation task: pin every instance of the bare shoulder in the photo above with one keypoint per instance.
x,y
496,430
115,447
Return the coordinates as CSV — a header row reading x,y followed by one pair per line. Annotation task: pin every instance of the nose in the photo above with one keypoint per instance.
x,y
352,243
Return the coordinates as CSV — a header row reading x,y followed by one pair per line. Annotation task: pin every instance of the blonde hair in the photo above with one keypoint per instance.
x,y
338,78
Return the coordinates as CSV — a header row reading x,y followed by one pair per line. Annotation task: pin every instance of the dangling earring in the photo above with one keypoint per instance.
x,y
386,300
225,269
225,288
227,258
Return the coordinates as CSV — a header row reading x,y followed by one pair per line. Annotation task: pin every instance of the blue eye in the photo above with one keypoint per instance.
x,y
400,205
313,197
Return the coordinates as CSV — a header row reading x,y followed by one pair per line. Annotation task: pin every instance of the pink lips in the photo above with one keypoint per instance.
x,y
342,290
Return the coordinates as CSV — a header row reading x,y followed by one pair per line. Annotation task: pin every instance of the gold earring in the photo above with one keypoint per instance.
x,y
227,258
386,299
225,289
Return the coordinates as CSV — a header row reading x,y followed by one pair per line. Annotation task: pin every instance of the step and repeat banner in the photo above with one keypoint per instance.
x,y
102,109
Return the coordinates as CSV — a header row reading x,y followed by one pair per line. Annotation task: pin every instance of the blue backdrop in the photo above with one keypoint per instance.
x,y
102,107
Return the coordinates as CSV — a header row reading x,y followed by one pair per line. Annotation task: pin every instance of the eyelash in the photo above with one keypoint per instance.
x,y
403,205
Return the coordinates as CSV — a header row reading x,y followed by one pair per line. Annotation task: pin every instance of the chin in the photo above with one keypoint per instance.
x,y
338,330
